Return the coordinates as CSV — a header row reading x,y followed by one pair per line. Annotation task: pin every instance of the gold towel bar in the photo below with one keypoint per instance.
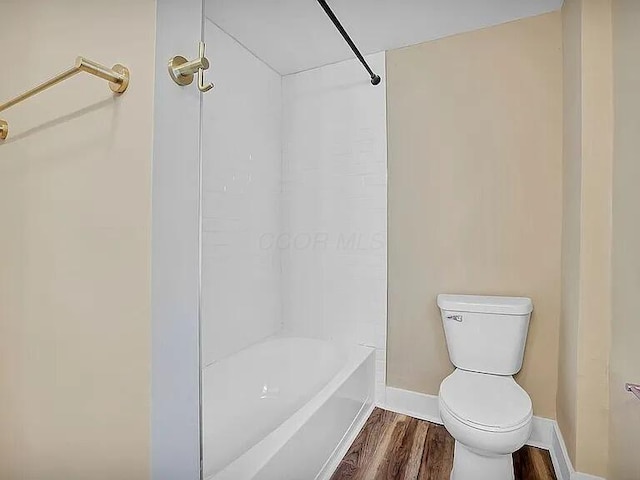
x,y
118,78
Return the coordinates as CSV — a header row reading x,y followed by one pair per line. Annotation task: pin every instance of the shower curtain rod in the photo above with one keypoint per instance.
x,y
375,79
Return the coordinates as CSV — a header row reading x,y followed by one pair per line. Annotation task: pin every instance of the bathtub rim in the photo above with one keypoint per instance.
x,y
250,463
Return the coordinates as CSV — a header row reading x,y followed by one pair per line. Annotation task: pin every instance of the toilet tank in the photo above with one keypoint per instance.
x,y
486,334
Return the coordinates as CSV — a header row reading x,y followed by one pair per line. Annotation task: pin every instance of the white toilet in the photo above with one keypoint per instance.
x,y
484,409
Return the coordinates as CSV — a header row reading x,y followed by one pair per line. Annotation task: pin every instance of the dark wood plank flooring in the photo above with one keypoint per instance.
x,y
395,447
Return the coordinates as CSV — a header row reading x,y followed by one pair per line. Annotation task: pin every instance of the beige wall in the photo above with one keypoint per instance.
x,y
571,247
475,192
75,179
625,350
595,279
583,395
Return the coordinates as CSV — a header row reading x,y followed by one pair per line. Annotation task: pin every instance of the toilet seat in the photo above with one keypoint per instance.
x,y
486,402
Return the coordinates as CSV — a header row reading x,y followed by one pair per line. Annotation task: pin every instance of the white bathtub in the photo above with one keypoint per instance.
x,y
278,409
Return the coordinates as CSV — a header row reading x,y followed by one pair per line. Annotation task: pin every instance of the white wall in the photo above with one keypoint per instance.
x,y
241,177
175,376
294,203
334,206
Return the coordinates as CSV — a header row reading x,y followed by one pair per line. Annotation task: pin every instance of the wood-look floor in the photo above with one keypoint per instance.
x,y
395,447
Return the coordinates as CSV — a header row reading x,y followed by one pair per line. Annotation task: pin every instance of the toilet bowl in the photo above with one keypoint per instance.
x,y
490,417
488,414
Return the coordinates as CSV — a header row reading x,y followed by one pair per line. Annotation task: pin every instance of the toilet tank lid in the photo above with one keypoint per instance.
x,y
485,304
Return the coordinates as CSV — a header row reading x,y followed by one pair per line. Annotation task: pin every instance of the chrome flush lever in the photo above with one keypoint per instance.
x,y
457,318
182,70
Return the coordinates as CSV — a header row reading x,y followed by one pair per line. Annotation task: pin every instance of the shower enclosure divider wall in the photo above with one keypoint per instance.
x,y
175,365
291,341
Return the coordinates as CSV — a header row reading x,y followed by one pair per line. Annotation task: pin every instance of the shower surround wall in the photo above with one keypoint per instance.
x,y
294,204
334,204
241,182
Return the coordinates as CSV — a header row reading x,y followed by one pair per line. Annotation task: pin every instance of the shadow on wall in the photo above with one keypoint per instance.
x,y
64,119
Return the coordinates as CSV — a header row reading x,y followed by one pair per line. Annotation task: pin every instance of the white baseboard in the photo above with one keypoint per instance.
x,y
413,404
545,433
561,461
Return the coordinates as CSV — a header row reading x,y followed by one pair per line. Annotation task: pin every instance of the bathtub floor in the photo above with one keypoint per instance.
x,y
396,447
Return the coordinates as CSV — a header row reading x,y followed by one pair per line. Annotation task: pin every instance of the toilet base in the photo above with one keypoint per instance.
x,y
469,465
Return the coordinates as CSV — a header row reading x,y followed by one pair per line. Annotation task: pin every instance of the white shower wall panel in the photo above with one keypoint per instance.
x,y
333,243
241,182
